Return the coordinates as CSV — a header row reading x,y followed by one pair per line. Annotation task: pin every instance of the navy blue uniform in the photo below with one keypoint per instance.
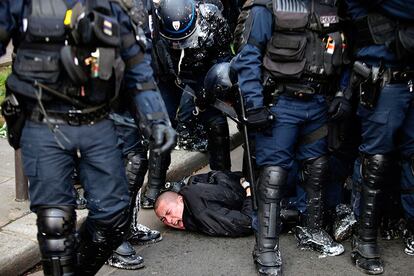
x,y
394,110
295,118
50,147
274,42
58,166
387,127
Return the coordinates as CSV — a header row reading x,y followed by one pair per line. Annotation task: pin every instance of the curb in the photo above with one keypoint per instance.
x,y
18,243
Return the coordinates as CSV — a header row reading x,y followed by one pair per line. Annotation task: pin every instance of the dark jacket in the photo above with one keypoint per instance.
x,y
216,205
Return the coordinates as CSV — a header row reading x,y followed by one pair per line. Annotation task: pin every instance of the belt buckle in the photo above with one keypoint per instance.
x,y
74,118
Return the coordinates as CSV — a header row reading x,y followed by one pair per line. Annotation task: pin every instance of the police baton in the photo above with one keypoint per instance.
x,y
250,169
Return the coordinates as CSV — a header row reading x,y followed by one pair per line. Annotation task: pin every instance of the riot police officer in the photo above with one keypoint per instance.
x,y
384,72
67,68
189,38
290,55
134,152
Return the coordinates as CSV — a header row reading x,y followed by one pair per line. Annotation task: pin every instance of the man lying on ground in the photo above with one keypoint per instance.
x,y
217,204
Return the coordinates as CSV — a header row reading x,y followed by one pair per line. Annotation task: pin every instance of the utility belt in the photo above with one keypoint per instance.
x,y
74,117
371,79
301,91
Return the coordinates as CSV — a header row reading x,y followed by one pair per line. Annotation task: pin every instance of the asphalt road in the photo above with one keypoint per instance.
x,y
184,253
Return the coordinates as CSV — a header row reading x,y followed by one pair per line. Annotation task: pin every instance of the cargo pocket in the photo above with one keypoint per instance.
x,y
283,47
29,165
285,55
35,65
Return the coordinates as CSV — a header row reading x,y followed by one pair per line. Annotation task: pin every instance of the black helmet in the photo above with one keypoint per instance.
x,y
219,81
177,19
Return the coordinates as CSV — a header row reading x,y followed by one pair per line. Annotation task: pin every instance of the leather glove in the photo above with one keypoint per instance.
x,y
163,137
259,118
340,108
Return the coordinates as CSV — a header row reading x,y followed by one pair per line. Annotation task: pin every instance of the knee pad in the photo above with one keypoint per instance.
x,y
374,169
56,230
315,172
136,168
56,236
271,182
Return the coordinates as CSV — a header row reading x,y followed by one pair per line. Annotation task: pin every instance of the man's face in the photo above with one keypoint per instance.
x,y
170,212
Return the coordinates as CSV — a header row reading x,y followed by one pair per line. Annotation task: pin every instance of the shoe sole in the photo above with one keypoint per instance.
x,y
364,270
146,242
126,267
409,252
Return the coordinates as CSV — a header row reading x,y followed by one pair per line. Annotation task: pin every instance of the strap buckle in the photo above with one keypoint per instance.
x,y
74,117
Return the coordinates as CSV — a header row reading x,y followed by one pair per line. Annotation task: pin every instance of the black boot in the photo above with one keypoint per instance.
x,y
266,254
157,174
125,257
98,239
56,236
219,147
365,251
312,235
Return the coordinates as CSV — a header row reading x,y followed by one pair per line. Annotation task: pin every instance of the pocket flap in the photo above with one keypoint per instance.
x,y
40,28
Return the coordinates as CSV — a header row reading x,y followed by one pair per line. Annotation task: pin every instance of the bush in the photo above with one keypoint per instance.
x,y
4,72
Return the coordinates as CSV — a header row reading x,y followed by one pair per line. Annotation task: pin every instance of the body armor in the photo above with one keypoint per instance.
x,y
306,40
72,57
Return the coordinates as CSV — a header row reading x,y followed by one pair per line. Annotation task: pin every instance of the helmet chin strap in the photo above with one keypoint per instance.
x,y
181,60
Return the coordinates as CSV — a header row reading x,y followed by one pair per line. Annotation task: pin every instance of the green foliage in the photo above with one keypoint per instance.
x,y
4,72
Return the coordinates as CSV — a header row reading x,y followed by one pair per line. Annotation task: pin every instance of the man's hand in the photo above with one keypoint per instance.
x,y
259,118
340,108
164,138
246,186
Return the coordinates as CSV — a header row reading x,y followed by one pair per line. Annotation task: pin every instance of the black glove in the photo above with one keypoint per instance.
x,y
259,118
339,109
163,137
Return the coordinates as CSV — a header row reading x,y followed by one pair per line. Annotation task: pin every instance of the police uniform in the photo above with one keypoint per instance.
x,y
384,50
182,67
290,55
66,70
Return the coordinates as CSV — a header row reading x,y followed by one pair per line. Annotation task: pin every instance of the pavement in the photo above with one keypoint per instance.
x,y
18,243
183,253
6,59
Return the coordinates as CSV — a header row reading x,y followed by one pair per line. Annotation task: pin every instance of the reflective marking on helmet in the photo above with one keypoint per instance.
x,y
188,25
176,25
